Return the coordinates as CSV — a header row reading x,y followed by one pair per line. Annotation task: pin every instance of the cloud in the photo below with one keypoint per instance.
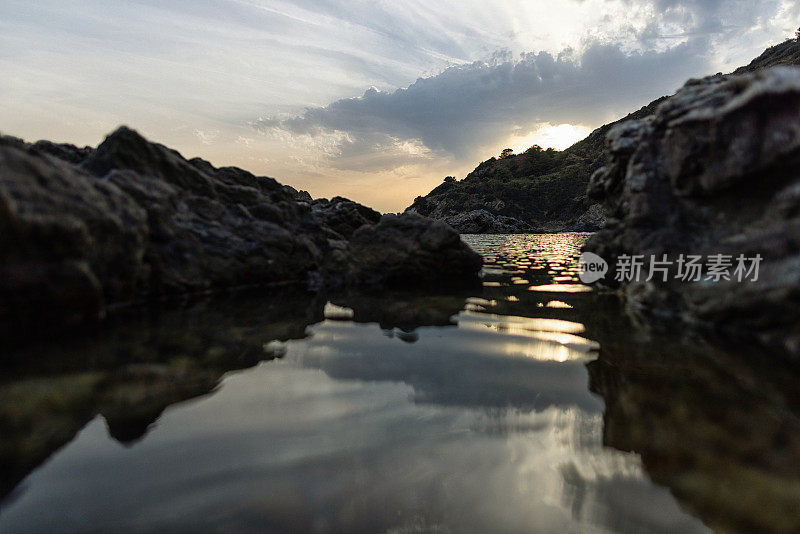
x,y
636,52
73,71
206,137
469,106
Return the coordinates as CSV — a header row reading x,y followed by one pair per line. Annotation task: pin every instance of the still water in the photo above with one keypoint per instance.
x,y
491,411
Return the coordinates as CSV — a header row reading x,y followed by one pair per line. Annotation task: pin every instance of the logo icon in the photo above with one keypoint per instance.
x,y
591,268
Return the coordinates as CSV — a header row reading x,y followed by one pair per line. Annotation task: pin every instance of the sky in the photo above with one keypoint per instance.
x,y
373,100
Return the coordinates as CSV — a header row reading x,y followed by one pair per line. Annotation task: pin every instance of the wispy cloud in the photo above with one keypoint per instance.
x,y
357,95
614,67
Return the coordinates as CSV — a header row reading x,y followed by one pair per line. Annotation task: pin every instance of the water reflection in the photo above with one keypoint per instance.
x,y
400,413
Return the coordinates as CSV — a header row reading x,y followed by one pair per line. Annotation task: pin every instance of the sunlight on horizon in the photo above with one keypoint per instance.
x,y
548,135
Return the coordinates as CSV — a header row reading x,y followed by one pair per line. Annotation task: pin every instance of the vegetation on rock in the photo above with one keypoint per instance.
x,y
546,189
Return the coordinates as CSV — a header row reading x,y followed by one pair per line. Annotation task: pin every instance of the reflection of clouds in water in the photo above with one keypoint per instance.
x,y
538,338
290,448
486,425
454,366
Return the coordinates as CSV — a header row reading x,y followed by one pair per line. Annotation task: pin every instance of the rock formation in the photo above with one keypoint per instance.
x,y
713,171
484,222
83,229
409,251
546,189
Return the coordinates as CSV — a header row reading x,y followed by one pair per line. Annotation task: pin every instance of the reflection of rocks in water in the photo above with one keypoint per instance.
x,y
138,394
39,415
130,372
402,335
722,431
405,311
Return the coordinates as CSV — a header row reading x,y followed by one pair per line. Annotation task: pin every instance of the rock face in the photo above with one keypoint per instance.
x,y
546,189
713,171
484,222
82,229
344,216
536,191
408,251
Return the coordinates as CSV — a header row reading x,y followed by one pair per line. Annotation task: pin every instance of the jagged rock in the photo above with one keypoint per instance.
x,y
131,220
409,251
300,196
484,222
63,151
713,171
344,216
592,220
209,228
68,242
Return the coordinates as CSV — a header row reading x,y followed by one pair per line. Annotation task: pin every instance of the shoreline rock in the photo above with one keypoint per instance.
x,y
713,171
546,189
410,251
484,222
82,230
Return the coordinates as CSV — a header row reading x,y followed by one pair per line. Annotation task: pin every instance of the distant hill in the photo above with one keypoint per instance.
x,y
786,53
545,190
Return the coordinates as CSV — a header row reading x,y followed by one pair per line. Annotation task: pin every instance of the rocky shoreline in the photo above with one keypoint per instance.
x,y
544,191
84,230
714,171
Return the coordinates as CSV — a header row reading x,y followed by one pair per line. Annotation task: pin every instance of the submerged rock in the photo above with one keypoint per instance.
x,y
83,229
713,171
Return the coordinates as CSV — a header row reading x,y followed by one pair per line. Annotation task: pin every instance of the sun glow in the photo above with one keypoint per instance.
x,y
548,135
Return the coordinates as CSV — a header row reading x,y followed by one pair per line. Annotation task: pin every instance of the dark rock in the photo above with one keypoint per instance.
x,y
713,171
484,222
67,152
209,228
546,189
69,243
82,229
409,250
300,196
344,216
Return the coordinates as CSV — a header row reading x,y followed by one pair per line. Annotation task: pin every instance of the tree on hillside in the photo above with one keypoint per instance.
x,y
449,179
506,153
534,149
797,34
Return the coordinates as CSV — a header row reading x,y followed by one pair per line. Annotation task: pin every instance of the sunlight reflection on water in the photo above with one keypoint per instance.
x,y
485,425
